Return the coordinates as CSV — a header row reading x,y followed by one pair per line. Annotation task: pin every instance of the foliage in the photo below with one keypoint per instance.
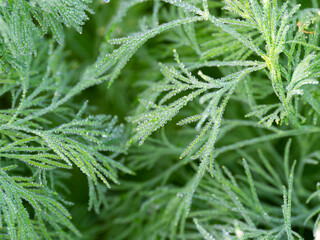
x,y
220,101
242,76
43,132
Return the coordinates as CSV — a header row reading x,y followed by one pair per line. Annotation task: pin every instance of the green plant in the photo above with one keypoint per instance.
x,y
44,133
220,139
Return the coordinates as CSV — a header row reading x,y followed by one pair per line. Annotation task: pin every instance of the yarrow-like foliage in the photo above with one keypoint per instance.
x,y
43,133
225,132
260,56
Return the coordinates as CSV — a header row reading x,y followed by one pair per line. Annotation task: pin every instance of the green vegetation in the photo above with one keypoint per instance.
x,y
159,119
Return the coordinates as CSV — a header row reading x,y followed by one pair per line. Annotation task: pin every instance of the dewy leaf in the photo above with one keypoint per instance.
x,y
203,232
119,58
49,14
287,198
47,210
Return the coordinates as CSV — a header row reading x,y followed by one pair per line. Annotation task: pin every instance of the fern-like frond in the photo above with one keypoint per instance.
x,y
50,217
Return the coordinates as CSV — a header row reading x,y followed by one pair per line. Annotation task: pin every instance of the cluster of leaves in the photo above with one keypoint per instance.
x,y
44,133
234,76
224,131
